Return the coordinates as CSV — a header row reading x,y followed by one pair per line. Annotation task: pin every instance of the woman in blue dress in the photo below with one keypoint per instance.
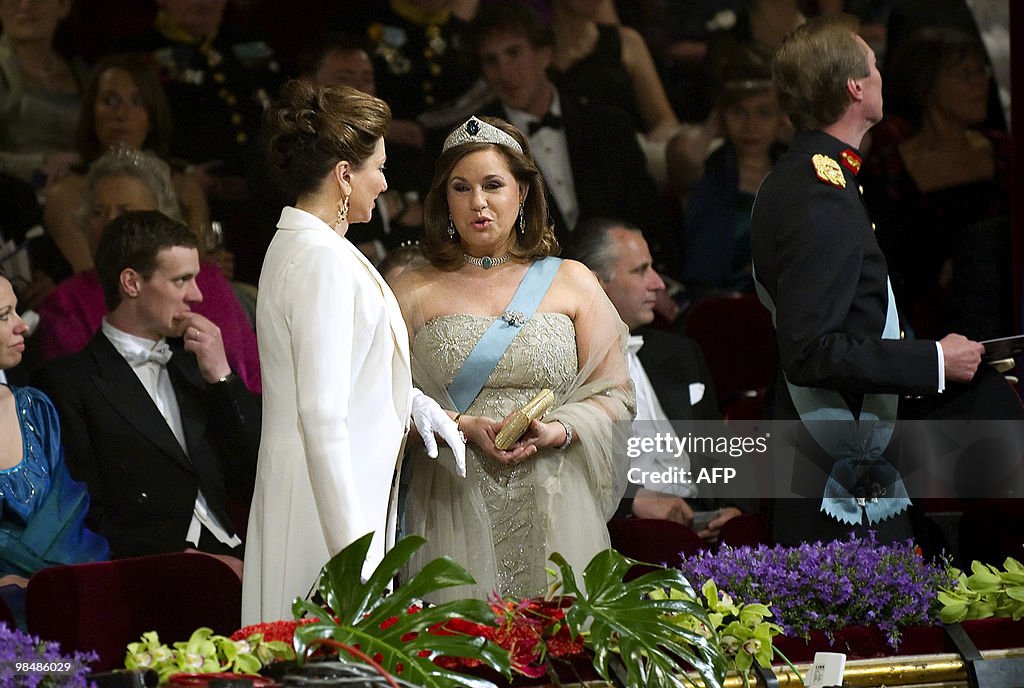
x,y
42,510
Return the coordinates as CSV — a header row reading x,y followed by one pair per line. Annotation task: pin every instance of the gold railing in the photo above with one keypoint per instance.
x,y
911,671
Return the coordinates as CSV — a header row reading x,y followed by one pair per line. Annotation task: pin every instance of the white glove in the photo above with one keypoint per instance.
x,y
430,418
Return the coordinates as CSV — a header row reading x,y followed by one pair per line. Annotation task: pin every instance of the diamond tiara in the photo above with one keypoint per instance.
x,y
478,131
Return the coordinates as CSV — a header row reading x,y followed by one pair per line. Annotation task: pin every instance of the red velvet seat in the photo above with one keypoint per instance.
x,y
735,333
749,407
745,529
653,540
106,605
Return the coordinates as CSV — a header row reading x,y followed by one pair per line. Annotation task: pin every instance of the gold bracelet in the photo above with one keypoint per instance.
x,y
457,417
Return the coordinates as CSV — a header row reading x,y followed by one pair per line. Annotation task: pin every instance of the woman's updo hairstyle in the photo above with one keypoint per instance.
x,y
312,128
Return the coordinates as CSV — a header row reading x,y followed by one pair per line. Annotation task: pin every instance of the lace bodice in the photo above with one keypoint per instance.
x,y
543,355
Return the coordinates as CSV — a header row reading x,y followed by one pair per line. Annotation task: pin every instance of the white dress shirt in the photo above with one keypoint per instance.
x,y
157,383
650,419
551,153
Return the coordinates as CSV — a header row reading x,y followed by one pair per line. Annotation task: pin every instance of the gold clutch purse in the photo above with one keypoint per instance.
x,y
521,419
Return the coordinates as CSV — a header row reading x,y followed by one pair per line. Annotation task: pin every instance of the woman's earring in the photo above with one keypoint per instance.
x,y
451,228
343,210
522,221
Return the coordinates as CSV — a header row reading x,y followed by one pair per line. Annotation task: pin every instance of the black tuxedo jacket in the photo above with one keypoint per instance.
x,y
609,170
673,363
141,484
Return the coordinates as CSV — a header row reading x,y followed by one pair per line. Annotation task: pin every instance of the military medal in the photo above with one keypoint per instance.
x,y
828,171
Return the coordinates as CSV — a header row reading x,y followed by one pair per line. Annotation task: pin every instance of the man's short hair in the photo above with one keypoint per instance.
x,y
811,67
513,16
312,57
133,240
592,246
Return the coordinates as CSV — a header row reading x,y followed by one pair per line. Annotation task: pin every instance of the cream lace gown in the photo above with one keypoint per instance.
x,y
502,522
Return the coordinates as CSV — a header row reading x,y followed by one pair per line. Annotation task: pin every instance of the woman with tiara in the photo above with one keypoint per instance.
x,y
495,320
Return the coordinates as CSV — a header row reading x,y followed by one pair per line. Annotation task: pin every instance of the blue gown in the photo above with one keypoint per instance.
x,y
42,510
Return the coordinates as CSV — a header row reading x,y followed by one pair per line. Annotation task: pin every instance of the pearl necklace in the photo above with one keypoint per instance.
x,y
486,262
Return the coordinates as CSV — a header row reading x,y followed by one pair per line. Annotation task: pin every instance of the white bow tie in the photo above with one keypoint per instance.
x,y
161,353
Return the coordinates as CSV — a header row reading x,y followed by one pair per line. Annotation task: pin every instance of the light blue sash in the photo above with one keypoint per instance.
x,y
855,443
482,360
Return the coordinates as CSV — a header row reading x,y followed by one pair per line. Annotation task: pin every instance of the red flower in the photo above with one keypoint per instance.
x,y
272,630
529,630
459,626
562,645
386,623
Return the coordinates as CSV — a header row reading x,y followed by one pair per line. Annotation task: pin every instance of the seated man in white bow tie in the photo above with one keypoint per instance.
x,y
671,378
153,419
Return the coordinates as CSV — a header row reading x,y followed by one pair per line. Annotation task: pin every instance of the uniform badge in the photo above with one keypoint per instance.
x,y
850,160
828,171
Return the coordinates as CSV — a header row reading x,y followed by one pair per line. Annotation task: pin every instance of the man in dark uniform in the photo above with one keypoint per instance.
x,y
218,77
821,273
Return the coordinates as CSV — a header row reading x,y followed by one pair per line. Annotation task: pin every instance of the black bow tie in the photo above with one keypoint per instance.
x,y
548,120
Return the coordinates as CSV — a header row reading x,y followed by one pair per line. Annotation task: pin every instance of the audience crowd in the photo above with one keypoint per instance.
x,y
145,158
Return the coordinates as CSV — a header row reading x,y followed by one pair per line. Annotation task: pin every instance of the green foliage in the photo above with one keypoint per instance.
x,y
381,626
204,652
634,621
987,592
742,630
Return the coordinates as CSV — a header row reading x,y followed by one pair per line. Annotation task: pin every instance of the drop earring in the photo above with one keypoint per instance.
x,y
342,210
451,228
522,221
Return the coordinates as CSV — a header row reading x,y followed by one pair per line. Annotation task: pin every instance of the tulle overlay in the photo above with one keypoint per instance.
x,y
503,522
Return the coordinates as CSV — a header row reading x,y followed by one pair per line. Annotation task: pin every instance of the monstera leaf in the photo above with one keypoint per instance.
x,y
623,619
382,627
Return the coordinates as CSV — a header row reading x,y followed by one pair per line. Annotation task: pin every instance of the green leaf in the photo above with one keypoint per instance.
x,y
362,608
1013,565
624,618
1012,577
247,664
981,610
948,598
983,577
710,592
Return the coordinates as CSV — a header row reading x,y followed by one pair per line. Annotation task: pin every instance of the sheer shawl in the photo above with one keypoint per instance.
x,y
575,491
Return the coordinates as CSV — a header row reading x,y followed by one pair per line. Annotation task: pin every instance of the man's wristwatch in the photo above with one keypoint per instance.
x,y
230,377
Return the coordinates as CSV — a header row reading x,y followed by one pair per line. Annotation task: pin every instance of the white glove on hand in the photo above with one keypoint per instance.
x,y
430,418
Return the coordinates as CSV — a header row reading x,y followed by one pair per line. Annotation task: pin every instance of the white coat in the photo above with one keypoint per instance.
x,y
334,354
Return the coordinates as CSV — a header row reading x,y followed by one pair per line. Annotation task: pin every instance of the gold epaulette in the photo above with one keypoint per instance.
x,y
828,170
